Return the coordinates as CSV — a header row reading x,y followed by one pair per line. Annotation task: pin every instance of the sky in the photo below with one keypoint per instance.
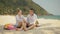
x,y
51,6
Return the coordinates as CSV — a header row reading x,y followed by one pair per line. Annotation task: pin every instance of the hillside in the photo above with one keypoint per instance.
x,y
10,6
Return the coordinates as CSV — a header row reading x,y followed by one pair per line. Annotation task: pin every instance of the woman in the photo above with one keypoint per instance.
x,y
20,21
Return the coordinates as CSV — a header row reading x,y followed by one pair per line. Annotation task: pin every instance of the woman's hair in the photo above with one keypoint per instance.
x,y
18,10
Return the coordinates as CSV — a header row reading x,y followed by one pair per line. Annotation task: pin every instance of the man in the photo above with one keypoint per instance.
x,y
31,18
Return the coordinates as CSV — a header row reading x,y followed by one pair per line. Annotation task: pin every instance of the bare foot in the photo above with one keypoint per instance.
x,y
25,29
18,29
37,24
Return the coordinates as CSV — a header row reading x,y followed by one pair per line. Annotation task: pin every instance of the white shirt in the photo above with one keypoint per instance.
x,y
19,19
31,19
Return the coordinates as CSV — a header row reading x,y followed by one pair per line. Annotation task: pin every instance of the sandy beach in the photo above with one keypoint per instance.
x,y
47,26
11,19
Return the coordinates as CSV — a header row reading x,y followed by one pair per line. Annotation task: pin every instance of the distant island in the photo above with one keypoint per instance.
x,y
9,7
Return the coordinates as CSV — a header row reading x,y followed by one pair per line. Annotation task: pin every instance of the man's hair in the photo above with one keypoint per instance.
x,y
32,9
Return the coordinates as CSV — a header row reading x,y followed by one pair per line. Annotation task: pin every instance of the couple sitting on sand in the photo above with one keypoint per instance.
x,y
22,23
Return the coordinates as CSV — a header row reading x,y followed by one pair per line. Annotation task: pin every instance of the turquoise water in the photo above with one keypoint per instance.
x,y
50,17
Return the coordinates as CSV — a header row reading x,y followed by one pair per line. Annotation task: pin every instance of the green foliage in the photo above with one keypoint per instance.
x,y
9,7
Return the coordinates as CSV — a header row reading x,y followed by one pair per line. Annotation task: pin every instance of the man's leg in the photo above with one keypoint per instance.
x,y
31,26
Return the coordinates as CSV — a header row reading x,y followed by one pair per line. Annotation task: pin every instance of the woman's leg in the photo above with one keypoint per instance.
x,y
24,26
19,27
